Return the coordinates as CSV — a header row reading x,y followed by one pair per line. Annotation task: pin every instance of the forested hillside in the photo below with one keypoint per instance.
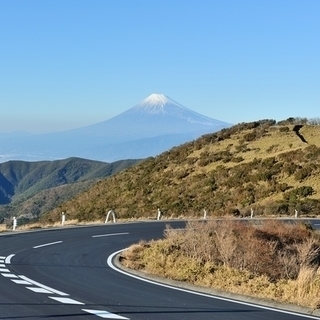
x,y
271,168
30,188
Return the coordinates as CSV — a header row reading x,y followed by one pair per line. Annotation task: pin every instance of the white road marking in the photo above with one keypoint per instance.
x,y
43,286
9,275
2,265
18,281
39,290
104,314
46,244
8,258
110,234
4,270
66,300
111,265
2,257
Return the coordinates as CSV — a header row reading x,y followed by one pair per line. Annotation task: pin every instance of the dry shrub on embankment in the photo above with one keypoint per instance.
x,y
273,260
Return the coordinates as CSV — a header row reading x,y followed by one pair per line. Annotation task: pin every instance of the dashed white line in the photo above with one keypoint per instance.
x,y
51,290
9,275
104,314
18,281
39,290
110,234
46,244
66,300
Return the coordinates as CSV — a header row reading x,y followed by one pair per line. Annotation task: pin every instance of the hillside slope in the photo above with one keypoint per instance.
x,y
37,181
272,168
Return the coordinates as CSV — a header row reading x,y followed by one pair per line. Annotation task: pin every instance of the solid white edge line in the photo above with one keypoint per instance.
x,y
110,234
112,266
43,286
8,258
46,244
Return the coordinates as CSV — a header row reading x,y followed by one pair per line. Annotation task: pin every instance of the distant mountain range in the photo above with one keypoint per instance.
x,y
156,124
31,188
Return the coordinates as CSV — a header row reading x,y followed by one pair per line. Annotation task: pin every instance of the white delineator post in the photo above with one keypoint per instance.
x,y
159,214
14,223
251,216
113,216
63,218
296,213
204,214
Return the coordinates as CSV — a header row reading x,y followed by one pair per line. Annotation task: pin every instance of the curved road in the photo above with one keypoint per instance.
x,y
64,274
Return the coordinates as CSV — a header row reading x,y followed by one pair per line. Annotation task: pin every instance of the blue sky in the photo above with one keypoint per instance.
x,y
70,63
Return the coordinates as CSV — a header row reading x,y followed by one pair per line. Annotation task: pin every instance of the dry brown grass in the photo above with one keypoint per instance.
x,y
3,227
273,260
40,225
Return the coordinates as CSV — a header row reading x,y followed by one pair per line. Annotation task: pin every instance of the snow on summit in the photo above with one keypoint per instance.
x,y
161,105
152,126
158,104
162,113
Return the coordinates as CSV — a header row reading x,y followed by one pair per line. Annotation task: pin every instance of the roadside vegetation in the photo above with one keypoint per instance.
x,y
268,167
273,260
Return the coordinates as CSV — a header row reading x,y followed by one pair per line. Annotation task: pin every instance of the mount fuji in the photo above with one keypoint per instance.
x,y
154,125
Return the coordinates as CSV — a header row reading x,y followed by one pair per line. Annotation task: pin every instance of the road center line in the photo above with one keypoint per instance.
x,y
66,300
43,286
46,244
110,234
104,314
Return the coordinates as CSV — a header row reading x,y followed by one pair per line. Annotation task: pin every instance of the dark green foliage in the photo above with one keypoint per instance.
x,y
251,136
301,192
22,181
303,173
312,152
284,129
198,175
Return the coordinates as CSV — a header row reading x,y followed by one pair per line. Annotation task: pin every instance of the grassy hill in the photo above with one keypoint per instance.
x,y
272,168
31,188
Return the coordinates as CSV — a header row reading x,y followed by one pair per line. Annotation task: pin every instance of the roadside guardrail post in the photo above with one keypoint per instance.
x,y
14,223
111,212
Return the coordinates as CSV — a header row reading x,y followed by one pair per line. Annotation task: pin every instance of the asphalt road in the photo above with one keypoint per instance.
x,y
64,274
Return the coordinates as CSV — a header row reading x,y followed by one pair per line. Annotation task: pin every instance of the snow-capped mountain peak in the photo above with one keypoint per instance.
x,y
157,103
152,126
